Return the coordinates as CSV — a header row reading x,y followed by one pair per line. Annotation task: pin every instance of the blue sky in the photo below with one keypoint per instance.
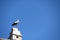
x,y
39,19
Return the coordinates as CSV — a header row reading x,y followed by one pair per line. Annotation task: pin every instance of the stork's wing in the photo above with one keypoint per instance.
x,y
15,23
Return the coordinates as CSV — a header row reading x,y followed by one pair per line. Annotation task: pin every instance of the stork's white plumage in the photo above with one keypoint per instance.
x,y
15,23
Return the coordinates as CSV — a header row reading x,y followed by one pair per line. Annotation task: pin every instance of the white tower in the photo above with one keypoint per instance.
x,y
15,34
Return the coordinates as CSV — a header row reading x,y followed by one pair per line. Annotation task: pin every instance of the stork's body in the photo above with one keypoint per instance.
x,y
15,33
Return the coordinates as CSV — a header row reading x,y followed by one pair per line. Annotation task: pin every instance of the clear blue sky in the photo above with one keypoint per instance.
x,y
40,19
